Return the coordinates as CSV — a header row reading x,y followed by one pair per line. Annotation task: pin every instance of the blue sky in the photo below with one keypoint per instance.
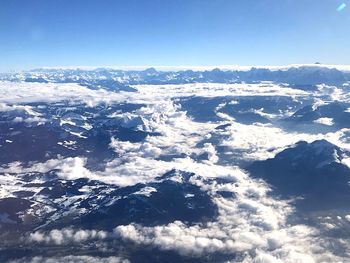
x,y
38,33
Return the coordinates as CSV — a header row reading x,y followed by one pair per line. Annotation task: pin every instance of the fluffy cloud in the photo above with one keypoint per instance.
x,y
216,90
260,141
250,222
71,259
66,236
325,121
24,92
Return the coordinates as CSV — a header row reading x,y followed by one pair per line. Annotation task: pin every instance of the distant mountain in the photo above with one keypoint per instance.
x,y
307,75
304,76
108,84
300,76
39,80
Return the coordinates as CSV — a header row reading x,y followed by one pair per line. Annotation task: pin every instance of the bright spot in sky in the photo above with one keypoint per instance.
x,y
341,7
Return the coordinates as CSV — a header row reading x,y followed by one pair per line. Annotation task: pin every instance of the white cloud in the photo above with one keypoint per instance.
x,y
12,93
71,259
146,191
218,89
325,121
26,108
261,141
66,236
347,217
212,154
252,222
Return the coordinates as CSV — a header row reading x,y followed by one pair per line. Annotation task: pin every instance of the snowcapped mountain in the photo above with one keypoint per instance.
x,y
180,166
316,171
304,76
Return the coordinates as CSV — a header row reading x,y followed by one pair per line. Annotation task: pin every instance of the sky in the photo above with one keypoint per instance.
x,y
37,33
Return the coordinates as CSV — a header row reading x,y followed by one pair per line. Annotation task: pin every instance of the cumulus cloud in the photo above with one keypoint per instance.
x,y
66,236
262,141
32,115
71,259
251,222
138,162
24,92
218,89
242,226
25,108
13,93
211,151
325,121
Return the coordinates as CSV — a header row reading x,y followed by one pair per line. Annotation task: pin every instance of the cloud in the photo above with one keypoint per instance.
x,y
71,259
251,222
66,236
28,110
146,191
325,121
260,141
218,90
25,108
137,162
13,93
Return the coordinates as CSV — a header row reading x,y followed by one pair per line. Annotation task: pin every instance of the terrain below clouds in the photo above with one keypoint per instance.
x,y
113,166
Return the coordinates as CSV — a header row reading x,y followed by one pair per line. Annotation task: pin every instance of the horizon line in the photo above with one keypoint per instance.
x,y
340,67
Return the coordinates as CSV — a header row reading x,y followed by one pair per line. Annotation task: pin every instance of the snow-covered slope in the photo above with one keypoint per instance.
x,y
189,172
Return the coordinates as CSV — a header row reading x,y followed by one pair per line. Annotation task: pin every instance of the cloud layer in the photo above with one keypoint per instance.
x,y
251,223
